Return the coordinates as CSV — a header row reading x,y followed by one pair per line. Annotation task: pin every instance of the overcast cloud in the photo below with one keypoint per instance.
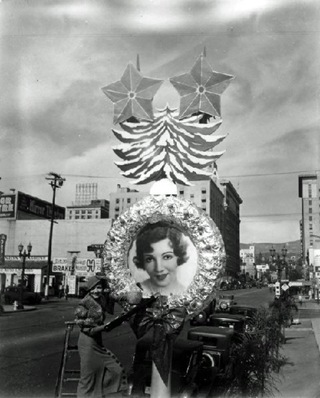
x,y
56,56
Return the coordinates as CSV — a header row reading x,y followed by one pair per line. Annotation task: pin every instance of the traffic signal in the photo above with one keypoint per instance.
x,y
277,289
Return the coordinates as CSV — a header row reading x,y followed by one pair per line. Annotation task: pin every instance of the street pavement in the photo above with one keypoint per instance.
x,y
300,377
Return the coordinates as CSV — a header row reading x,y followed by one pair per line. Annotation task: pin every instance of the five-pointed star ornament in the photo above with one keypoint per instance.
x,y
132,95
200,89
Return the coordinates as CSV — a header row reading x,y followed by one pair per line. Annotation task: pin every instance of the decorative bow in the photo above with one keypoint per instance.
x,y
166,324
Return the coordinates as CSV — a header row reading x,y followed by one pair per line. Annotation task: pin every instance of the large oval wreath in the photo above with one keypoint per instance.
x,y
186,216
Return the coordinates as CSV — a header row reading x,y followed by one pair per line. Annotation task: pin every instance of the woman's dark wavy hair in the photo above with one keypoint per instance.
x,y
153,233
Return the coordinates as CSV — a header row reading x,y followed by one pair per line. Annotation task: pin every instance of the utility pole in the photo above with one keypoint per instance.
x,y
56,181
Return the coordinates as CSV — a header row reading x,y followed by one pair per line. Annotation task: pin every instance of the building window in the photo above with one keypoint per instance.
x,y
116,209
310,227
128,200
310,218
76,217
77,211
89,217
89,211
203,200
83,212
310,202
310,210
117,200
192,196
181,192
204,191
83,217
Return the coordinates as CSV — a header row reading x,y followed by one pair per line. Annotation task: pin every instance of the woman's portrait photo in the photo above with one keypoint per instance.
x,y
162,259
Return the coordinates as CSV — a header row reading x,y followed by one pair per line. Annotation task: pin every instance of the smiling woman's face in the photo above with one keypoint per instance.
x,y
161,263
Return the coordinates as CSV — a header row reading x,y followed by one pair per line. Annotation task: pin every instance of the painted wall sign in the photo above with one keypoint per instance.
x,y
7,206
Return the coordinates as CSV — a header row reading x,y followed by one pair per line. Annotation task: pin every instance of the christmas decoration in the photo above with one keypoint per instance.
x,y
132,95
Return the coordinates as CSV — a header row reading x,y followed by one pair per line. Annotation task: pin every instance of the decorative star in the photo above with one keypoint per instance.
x,y
132,95
200,89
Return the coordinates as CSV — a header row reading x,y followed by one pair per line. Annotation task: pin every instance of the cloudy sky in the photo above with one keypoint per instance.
x,y
57,55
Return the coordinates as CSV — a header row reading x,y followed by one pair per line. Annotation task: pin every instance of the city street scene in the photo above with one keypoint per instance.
x,y
160,199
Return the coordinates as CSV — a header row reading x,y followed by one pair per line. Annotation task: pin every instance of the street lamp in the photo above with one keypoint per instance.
x,y
280,261
23,255
56,181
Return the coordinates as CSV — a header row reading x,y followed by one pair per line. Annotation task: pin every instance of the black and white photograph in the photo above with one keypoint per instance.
x,y
159,198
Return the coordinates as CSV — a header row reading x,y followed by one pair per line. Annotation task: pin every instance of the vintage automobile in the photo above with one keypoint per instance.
x,y
246,310
203,316
226,320
12,293
224,302
218,343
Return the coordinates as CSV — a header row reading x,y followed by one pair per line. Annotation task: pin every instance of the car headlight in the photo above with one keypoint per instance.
x,y
207,360
223,305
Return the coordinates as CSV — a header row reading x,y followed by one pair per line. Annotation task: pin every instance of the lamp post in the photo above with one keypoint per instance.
x,y
56,181
23,254
280,261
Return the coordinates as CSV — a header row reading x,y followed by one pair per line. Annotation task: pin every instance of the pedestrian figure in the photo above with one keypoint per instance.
x,y
66,292
101,373
300,299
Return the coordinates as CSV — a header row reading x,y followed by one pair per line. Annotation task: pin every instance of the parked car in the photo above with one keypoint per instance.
x,y
246,310
226,320
218,343
224,302
12,293
203,316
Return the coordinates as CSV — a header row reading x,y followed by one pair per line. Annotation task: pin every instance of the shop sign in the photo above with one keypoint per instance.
x,y
60,265
7,206
71,282
18,271
31,258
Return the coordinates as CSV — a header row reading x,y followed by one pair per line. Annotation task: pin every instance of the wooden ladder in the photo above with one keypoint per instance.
x,y
67,375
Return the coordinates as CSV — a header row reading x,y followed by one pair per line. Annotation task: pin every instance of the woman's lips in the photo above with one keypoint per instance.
x,y
161,277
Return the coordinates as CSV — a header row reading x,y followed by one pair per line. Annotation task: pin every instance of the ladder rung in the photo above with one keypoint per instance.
x,y
69,394
71,379
71,371
72,348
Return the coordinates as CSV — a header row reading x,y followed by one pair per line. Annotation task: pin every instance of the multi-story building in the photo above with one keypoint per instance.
x,y
231,226
122,199
87,206
248,261
98,208
309,192
221,202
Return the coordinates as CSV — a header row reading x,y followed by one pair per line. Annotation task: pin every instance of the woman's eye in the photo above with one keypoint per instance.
x,y
148,259
167,257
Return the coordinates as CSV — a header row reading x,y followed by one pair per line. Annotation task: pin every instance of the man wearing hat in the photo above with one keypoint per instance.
x,y
101,371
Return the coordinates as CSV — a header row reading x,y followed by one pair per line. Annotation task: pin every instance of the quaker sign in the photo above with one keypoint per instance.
x,y
7,206
87,266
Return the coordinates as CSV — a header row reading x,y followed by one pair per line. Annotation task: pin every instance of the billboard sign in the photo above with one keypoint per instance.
x,y
37,207
83,266
8,206
87,266
60,265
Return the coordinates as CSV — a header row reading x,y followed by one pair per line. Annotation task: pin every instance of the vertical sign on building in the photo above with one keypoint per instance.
x,y
3,239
